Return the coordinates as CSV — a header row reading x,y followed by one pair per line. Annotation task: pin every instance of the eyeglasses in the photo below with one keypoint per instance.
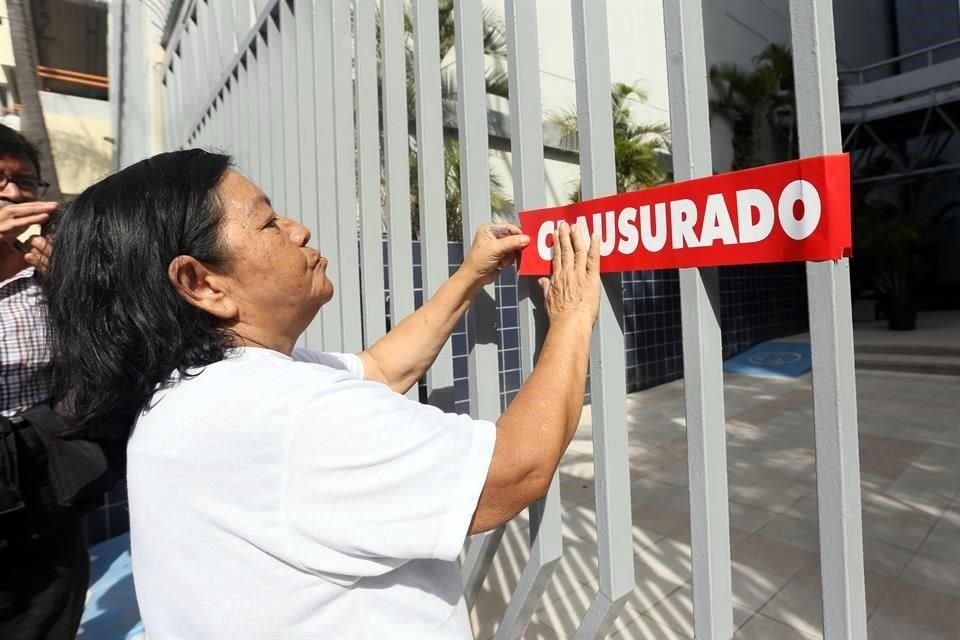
x,y
31,187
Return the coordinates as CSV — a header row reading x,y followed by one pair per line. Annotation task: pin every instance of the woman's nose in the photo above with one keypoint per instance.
x,y
299,233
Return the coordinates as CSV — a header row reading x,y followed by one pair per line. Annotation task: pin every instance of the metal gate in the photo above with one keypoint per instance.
x,y
298,90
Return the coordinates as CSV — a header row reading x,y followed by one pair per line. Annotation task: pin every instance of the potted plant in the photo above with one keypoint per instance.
x,y
895,244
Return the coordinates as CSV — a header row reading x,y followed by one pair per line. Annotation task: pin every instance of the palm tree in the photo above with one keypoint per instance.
x,y
494,45
749,99
638,148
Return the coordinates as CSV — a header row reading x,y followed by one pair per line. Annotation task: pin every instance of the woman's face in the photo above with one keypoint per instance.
x,y
276,282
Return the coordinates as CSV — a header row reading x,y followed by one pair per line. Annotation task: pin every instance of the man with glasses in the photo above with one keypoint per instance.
x,y
43,573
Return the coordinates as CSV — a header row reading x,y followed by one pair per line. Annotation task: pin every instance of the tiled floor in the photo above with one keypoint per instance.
x,y
910,470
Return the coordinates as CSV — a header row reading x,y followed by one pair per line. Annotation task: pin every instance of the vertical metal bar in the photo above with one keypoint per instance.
x,y
214,121
274,122
483,362
325,177
262,91
243,19
225,127
702,347
242,142
608,383
198,88
228,32
236,118
346,194
396,149
254,64
291,146
213,125
526,146
209,58
307,109
179,105
169,111
431,183
184,90
831,341
368,142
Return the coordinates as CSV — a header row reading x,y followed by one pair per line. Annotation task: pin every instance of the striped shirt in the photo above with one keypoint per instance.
x,y
25,369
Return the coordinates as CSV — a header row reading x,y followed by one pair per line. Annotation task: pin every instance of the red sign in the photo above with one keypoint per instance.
x,y
785,212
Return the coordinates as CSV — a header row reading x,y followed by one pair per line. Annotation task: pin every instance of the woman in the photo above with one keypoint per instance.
x,y
277,492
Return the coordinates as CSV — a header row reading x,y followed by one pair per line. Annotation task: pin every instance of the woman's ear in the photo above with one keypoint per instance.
x,y
201,287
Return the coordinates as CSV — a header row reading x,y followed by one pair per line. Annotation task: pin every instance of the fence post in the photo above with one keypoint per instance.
x,y
702,345
526,147
431,183
344,143
831,341
396,155
483,361
368,165
608,385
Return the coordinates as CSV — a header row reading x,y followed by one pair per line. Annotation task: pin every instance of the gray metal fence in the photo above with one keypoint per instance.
x,y
302,92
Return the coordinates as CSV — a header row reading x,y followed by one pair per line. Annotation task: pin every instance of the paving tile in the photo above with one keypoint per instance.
x,y
885,558
736,535
574,490
883,627
669,559
800,604
921,607
907,530
676,612
771,556
752,587
674,474
935,573
749,518
648,490
772,494
661,518
643,627
760,627
565,613
795,531
943,542
576,574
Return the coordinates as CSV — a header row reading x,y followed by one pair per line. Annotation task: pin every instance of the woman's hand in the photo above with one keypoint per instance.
x,y
573,288
494,247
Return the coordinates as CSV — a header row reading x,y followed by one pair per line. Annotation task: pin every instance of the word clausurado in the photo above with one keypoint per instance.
x,y
792,211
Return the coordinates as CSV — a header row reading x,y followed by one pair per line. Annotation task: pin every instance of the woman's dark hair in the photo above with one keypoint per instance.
x,y
118,326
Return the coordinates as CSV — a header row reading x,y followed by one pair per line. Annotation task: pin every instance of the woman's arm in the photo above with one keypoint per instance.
x,y
403,356
535,430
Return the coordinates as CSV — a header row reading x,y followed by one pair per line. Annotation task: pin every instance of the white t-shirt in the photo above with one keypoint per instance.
x,y
276,497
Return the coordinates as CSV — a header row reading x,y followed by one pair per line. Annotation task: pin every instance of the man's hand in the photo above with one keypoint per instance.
x,y
38,253
494,247
15,218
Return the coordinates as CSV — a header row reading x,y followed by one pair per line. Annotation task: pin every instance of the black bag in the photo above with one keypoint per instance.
x,y
48,477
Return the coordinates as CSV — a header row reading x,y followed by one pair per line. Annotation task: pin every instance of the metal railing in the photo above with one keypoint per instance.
x,y
926,57
291,90
71,77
